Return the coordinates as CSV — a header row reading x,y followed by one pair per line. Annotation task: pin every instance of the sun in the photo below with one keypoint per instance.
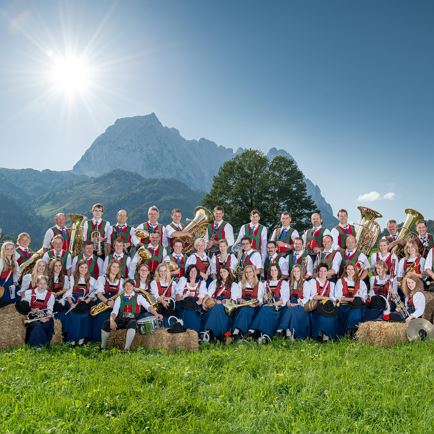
x,y
70,75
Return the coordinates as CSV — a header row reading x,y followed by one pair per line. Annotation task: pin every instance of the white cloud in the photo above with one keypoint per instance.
x,y
374,196
389,196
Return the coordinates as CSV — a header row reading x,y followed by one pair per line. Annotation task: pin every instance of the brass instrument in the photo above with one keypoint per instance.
x,y
96,238
37,315
197,227
148,297
76,238
405,233
144,255
102,307
141,233
231,306
368,230
27,266
172,266
400,306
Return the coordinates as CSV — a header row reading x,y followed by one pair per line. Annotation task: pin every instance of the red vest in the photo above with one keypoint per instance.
x,y
110,288
23,255
342,235
194,291
172,239
219,264
92,263
323,291
250,293
216,234
202,265
275,289
66,239
348,291
56,287
298,293
286,237
6,274
416,264
223,292
380,289
162,290
158,228
180,263
123,262
39,304
124,234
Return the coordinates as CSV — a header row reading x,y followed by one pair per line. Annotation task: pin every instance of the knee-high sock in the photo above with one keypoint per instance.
x,y
104,337
129,338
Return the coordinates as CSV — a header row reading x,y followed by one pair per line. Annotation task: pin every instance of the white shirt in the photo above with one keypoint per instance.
x,y
143,226
294,235
88,226
229,233
141,301
100,284
214,259
261,290
313,289
255,259
362,292
184,284
428,261
252,228
419,304
337,259
25,283
68,261
410,261
306,292
235,290
284,289
376,255
49,235
381,282
41,296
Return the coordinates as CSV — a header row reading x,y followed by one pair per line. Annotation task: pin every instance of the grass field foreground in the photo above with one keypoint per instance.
x,y
301,387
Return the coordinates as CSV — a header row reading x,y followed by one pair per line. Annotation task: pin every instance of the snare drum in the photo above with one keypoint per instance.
x,y
148,324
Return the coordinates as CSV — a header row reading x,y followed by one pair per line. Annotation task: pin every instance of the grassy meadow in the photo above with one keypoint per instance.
x,y
285,387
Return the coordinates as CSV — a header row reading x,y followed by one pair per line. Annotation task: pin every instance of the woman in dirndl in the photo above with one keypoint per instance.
x,y
276,295
295,320
189,292
9,274
79,296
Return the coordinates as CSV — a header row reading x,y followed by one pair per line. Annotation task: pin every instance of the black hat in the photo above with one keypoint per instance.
x,y
177,328
357,302
377,302
327,308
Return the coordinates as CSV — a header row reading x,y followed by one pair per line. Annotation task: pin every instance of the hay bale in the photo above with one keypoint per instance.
x,y
158,339
429,306
13,333
57,337
382,333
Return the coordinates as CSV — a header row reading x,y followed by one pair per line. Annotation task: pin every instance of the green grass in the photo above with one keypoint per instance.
x,y
302,387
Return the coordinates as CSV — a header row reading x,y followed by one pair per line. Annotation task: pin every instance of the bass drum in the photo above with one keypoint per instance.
x,y
148,324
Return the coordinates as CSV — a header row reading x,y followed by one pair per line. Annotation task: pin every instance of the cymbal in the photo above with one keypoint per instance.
x,y
420,330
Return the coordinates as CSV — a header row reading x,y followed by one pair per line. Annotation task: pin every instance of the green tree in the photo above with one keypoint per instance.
x,y
251,181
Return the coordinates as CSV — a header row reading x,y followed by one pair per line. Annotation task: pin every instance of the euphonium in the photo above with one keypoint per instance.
x,y
27,266
141,233
197,227
172,266
102,307
405,233
144,253
231,306
76,238
368,230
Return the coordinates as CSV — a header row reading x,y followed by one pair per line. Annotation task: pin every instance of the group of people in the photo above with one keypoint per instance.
x,y
316,284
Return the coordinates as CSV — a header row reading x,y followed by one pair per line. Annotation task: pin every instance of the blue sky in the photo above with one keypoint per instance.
x,y
345,86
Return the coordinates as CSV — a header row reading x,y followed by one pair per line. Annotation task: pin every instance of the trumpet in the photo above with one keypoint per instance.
x,y
231,306
97,242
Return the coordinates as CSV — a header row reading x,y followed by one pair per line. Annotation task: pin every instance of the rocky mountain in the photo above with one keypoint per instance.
x,y
153,150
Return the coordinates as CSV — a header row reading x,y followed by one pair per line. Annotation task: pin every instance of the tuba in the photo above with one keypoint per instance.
x,y
405,233
368,230
76,239
197,227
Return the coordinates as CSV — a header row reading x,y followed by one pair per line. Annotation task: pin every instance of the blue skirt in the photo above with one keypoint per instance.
x,y
39,334
320,324
296,320
6,298
218,321
77,326
349,319
372,314
243,318
267,320
96,324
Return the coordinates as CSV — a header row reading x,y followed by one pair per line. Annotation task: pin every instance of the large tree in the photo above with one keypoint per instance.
x,y
251,181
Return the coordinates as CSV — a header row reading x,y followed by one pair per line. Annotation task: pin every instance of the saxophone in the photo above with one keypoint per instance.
x,y
102,306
